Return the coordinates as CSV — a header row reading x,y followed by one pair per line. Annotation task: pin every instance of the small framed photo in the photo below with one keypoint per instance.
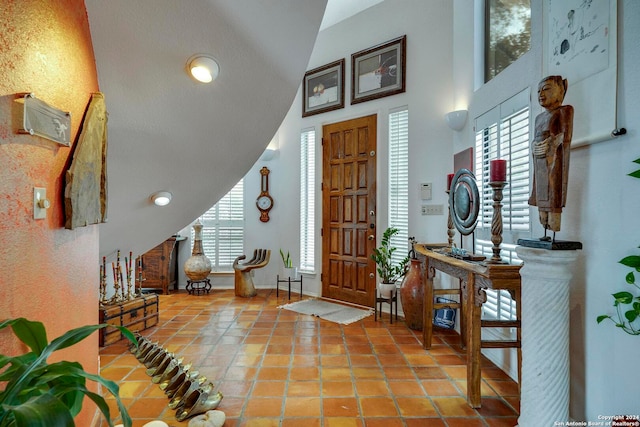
x,y
323,89
379,71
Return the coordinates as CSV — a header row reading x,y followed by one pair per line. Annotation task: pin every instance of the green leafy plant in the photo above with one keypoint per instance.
x,y
627,304
387,270
38,394
286,259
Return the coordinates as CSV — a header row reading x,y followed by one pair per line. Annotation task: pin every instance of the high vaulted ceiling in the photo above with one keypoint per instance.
x,y
168,132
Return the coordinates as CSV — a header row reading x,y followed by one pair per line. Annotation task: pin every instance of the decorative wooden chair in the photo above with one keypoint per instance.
x,y
244,286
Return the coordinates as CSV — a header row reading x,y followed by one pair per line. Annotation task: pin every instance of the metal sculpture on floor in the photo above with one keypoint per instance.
x,y
189,392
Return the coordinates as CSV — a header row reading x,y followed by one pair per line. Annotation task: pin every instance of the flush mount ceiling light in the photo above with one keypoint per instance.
x,y
456,119
203,68
161,198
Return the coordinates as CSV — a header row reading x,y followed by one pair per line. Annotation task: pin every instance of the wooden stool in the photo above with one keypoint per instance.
x,y
393,298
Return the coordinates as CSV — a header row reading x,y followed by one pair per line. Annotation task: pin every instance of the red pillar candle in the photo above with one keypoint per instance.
x,y
498,170
449,181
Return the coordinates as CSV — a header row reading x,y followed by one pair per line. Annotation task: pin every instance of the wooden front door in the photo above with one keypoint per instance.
x,y
349,210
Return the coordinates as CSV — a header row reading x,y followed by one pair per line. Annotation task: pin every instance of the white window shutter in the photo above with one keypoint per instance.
x,y
307,199
503,133
223,229
399,181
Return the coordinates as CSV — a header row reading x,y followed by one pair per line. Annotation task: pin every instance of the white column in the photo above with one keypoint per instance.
x,y
544,388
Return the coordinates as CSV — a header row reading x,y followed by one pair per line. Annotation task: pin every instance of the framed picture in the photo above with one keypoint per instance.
x,y
323,89
379,71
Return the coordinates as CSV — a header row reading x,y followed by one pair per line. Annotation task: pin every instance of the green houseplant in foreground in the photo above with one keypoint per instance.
x,y
627,304
387,270
38,394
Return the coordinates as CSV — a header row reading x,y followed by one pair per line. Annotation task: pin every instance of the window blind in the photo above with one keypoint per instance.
x,y
223,229
503,133
399,181
307,199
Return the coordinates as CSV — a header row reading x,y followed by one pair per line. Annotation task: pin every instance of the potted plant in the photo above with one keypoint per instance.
x,y
627,304
289,269
388,272
38,394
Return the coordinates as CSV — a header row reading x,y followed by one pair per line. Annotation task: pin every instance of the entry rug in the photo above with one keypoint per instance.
x,y
332,312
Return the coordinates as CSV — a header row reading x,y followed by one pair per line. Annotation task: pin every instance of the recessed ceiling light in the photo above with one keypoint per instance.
x,y
161,198
203,68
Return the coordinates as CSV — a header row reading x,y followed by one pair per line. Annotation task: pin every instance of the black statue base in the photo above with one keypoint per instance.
x,y
553,245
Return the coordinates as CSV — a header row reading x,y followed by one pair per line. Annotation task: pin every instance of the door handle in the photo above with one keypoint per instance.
x,y
372,276
371,237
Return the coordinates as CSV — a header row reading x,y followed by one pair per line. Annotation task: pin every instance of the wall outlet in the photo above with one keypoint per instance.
x,y
432,209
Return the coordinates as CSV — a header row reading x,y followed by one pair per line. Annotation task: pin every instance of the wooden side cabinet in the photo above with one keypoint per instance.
x,y
159,266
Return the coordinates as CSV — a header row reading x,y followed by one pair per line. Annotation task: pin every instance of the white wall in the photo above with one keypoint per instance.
x,y
602,208
428,97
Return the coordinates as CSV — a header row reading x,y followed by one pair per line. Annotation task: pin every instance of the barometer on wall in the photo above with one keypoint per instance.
x,y
264,202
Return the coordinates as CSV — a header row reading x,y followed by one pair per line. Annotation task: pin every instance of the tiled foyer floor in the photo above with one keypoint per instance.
x,y
279,368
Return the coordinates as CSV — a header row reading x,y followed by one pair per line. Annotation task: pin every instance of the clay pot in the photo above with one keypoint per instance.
x,y
198,266
412,296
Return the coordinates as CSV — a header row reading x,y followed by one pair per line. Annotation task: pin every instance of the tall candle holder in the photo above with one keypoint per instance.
x,y
140,277
451,231
496,221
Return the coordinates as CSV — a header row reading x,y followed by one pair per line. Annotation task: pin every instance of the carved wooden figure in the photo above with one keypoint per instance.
x,y
550,149
244,286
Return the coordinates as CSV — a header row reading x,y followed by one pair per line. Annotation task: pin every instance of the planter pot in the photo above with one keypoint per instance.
x,y
385,289
412,296
290,272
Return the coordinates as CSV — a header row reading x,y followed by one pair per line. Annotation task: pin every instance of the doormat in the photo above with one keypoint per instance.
x,y
332,312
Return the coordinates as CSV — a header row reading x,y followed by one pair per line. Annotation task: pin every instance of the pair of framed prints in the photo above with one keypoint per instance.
x,y
376,72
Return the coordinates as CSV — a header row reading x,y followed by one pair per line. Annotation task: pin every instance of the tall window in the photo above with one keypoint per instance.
x,y
307,199
399,180
503,133
507,33
223,229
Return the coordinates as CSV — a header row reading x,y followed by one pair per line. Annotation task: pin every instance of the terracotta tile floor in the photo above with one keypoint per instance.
x,y
279,368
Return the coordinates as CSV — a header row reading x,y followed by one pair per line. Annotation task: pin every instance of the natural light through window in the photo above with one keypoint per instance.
x,y
307,199
223,230
503,133
399,180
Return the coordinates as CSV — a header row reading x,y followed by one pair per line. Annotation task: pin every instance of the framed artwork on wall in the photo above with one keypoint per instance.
x,y
323,89
379,71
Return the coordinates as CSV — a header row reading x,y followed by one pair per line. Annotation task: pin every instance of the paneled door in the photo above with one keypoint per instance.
x,y
349,210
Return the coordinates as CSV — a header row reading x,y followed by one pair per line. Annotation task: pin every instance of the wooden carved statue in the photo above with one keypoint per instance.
x,y
550,149
244,286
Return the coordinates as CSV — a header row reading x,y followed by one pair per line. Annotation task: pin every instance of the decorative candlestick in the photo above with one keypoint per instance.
x,y
450,230
103,285
496,221
139,279
116,286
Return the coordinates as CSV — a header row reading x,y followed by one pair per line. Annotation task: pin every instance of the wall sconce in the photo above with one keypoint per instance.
x,y
203,68
161,198
456,119
268,154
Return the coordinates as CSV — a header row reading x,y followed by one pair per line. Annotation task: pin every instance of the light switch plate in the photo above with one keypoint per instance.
x,y
39,194
432,209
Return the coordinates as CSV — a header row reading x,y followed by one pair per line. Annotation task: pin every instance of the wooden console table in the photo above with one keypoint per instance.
x,y
476,277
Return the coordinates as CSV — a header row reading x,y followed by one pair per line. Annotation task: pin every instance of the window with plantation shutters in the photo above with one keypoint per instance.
x,y
503,133
307,199
223,230
399,180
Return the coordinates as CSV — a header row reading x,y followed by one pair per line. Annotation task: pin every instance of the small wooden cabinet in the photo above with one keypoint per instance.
x,y
159,266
